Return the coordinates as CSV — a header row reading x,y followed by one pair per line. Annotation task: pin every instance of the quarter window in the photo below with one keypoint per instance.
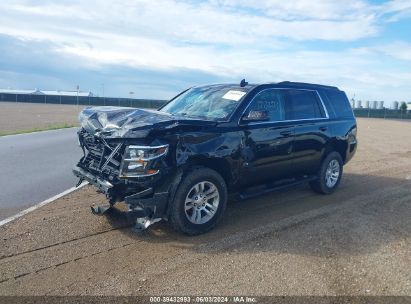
x,y
304,105
272,101
340,103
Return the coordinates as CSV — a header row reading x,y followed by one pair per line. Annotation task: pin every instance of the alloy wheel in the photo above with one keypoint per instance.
x,y
332,173
201,202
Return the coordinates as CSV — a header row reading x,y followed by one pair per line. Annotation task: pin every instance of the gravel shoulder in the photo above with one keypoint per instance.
x,y
354,242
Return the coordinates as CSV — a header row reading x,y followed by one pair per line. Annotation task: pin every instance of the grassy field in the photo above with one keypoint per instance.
x,y
45,128
17,118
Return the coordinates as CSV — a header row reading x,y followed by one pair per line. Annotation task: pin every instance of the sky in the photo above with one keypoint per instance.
x,y
157,48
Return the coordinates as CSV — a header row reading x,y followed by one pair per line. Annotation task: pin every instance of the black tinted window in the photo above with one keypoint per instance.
x,y
272,101
340,103
304,105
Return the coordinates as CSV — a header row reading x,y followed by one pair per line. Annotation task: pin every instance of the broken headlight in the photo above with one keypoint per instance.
x,y
138,160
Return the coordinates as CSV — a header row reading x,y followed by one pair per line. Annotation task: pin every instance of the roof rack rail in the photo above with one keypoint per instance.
x,y
307,84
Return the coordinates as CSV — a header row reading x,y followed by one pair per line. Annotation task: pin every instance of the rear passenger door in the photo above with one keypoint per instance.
x,y
311,132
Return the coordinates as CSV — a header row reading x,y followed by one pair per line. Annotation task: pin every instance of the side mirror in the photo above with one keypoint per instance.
x,y
256,116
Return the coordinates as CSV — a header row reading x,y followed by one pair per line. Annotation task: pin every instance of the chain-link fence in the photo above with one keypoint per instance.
x,y
155,103
82,100
383,113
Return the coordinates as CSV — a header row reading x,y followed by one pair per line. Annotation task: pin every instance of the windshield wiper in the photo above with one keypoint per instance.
x,y
185,114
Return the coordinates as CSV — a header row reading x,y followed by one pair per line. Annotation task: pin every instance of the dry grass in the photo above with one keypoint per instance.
x,y
16,118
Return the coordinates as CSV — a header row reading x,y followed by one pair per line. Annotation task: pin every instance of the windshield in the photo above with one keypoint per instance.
x,y
215,102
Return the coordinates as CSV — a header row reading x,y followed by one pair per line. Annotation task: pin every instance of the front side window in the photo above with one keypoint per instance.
x,y
304,105
271,101
215,102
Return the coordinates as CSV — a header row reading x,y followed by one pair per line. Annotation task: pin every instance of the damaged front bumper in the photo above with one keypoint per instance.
x,y
145,207
103,185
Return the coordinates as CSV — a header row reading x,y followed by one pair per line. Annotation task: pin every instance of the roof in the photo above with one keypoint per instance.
x,y
68,93
287,84
13,91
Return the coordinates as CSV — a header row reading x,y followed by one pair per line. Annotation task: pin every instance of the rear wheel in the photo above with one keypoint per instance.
x,y
329,175
199,202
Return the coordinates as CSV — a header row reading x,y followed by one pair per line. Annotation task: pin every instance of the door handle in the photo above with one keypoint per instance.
x,y
323,128
285,133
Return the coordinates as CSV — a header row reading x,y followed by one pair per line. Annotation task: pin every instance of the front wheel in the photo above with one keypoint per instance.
x,y
199,203
329,175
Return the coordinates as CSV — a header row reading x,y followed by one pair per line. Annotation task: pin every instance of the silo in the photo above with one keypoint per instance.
x,y
367,104
396,105
381,105
374,104
359,104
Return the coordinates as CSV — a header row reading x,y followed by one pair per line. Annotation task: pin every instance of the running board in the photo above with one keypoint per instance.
x,y
268,188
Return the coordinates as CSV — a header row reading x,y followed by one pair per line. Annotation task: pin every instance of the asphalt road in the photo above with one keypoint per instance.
x,y
35,167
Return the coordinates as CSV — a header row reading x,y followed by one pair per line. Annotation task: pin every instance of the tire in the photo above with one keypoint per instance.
x,y
191,214
323,184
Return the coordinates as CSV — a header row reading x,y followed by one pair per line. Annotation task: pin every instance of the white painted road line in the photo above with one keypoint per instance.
x,y
43,203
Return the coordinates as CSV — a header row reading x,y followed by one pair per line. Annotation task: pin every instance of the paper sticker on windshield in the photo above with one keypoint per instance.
x,y
234,95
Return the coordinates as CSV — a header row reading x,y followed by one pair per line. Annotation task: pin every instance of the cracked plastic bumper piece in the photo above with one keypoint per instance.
x,y
99,210
153,203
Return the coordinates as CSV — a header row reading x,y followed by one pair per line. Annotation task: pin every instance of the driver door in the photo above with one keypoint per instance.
x,y
268,146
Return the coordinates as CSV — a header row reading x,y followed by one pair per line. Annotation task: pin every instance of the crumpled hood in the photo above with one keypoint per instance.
x,y
117,122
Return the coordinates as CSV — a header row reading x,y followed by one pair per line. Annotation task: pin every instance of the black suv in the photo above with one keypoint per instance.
x,y
181,161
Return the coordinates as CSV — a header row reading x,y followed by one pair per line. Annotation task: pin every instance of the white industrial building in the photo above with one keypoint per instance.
x,y
47,92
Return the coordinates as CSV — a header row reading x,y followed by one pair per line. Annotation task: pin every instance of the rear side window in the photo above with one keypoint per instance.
x,y
304,105
339,103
